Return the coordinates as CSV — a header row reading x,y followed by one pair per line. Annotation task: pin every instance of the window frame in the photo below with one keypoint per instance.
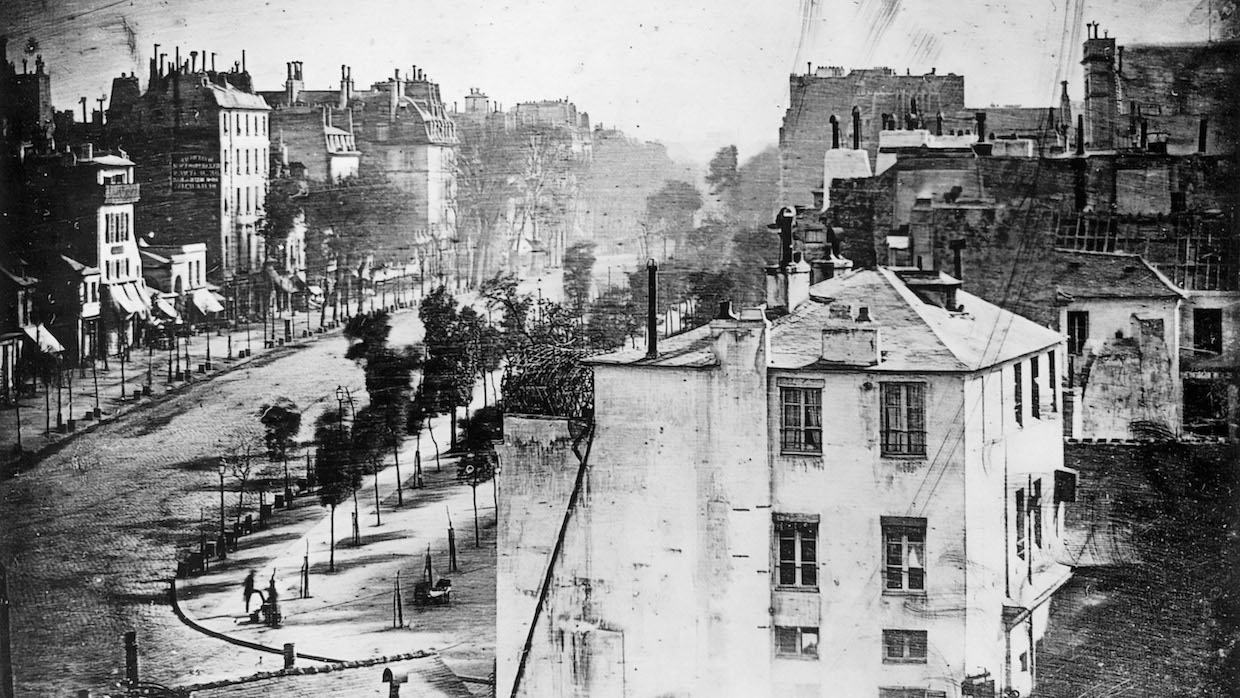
x,y
1018,394
1021,523
908,641
1078,331
1035,390
910,411
795,439
1212,343
896,530
799,636
799,526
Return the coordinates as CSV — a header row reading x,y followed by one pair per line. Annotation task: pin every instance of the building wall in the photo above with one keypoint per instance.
x,y
806,132
244,155
854,607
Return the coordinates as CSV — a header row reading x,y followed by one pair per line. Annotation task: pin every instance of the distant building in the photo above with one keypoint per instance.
x,y
200,138
864,495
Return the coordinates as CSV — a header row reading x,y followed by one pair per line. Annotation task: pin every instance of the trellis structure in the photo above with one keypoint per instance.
x,y
549,380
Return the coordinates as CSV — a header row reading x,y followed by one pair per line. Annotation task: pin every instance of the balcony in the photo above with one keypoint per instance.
x,y
120,193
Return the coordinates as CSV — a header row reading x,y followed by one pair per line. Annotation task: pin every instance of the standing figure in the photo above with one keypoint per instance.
x,y
249,590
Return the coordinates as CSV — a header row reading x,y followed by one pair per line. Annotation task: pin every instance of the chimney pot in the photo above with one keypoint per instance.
x,y
725,311
863,314
652,313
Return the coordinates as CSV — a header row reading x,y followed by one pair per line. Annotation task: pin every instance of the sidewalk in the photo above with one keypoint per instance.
x,y
351,613
50,416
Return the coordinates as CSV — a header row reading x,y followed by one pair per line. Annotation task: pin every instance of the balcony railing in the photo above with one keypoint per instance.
x,y
120,193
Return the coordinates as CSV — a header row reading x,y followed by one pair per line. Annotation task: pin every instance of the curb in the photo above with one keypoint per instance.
x,y
192,623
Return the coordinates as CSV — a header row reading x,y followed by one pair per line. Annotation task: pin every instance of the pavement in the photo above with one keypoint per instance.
x,y
48,417
352,613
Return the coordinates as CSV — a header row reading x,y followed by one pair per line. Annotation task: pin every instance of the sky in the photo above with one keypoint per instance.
x,y
694,75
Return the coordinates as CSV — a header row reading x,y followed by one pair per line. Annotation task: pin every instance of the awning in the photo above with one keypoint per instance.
x,y
128,299
164,308
43,339
299,280
206,301
283,282
314,290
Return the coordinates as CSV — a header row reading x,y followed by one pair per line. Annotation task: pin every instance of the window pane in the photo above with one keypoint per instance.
x,y
916,578
788,573
893,646
917,645
895,578
895,553
809,575
809,548
786,640
809,642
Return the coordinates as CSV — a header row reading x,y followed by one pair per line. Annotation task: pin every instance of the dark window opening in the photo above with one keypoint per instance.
x,y
1208,330
1078,331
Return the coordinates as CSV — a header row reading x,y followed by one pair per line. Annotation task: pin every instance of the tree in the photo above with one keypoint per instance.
x,y
479,434
672,207
333,468
722,175
242,451
611,320
578,274
282,422
451,367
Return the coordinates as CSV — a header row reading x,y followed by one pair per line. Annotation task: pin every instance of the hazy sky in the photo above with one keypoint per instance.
x,y
695,75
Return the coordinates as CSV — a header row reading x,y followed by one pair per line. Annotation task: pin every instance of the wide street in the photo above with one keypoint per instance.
x,y
92,534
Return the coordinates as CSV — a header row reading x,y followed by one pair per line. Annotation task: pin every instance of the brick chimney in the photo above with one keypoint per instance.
x,y
787,283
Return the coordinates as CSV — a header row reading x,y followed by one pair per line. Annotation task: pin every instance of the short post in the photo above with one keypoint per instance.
x,y
305,573
290,655
131,658
398,611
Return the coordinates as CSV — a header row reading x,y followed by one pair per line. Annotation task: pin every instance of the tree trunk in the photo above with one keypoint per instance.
x,y
331,560
477,535
452,432
431,431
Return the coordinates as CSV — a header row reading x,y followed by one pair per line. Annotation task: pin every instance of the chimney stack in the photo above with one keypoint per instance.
x,y
856,128
981,126
835,132
787,284
652,309
1080,134
957,265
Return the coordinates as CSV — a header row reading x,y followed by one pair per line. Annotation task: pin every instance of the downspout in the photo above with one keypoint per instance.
x,y
555,555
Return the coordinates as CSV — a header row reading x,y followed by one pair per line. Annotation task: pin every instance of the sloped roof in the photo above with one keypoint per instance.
x,y
228,97
429,677
915,335
78,267
1110,275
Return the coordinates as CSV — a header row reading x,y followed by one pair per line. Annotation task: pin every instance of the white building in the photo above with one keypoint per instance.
x,y
863,496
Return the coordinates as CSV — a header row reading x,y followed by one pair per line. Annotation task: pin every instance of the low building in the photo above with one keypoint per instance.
x,y
861,494
1121,317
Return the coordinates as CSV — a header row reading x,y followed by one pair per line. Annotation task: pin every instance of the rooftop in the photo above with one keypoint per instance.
x,y
1109,275
916,335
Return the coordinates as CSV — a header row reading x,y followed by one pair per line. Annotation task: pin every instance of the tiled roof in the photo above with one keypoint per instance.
x,y
429,677
1110,275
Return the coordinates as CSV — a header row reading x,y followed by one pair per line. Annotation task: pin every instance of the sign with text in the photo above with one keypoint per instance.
x,y
195,172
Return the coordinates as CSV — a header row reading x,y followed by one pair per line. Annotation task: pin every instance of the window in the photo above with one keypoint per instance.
x,y
247,161
904,553
1035,511
796,642
904,419
1018,394
1022,540
801,428
1078,331
904,647
1024,661
1208,330
1035,390
798,552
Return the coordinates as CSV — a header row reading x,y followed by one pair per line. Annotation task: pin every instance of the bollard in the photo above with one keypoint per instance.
x,y
289,655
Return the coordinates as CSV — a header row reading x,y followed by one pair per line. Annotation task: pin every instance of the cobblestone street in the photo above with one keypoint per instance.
x,y
91,534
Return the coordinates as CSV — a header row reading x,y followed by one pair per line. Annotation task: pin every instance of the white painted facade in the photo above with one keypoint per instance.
x,y
672,577
245,166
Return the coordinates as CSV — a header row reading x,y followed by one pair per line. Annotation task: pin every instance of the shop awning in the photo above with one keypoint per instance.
x,y
128,299
164,307
283,282
43,339
206,301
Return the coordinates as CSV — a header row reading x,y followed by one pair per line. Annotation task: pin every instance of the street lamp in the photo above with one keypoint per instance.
x,y
340,406
223,469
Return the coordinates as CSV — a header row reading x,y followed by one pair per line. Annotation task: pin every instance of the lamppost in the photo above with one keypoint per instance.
x,y
223,469
340,407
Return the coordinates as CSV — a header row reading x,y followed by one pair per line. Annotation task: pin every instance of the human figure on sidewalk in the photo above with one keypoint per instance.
x,y
250,591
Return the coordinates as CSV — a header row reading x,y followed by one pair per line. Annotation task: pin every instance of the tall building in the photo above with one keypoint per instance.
x,y
200,138
862,495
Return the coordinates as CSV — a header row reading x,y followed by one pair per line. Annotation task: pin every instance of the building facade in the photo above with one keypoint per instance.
x,y
862,496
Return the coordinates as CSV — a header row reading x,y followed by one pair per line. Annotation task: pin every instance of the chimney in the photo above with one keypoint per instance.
x,y
243,60
981,126
957,266
178,58
395,99
787,284
652,309
213,61
193,61
1202,131
938,123
835,132
852,345
856,125
1080,134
